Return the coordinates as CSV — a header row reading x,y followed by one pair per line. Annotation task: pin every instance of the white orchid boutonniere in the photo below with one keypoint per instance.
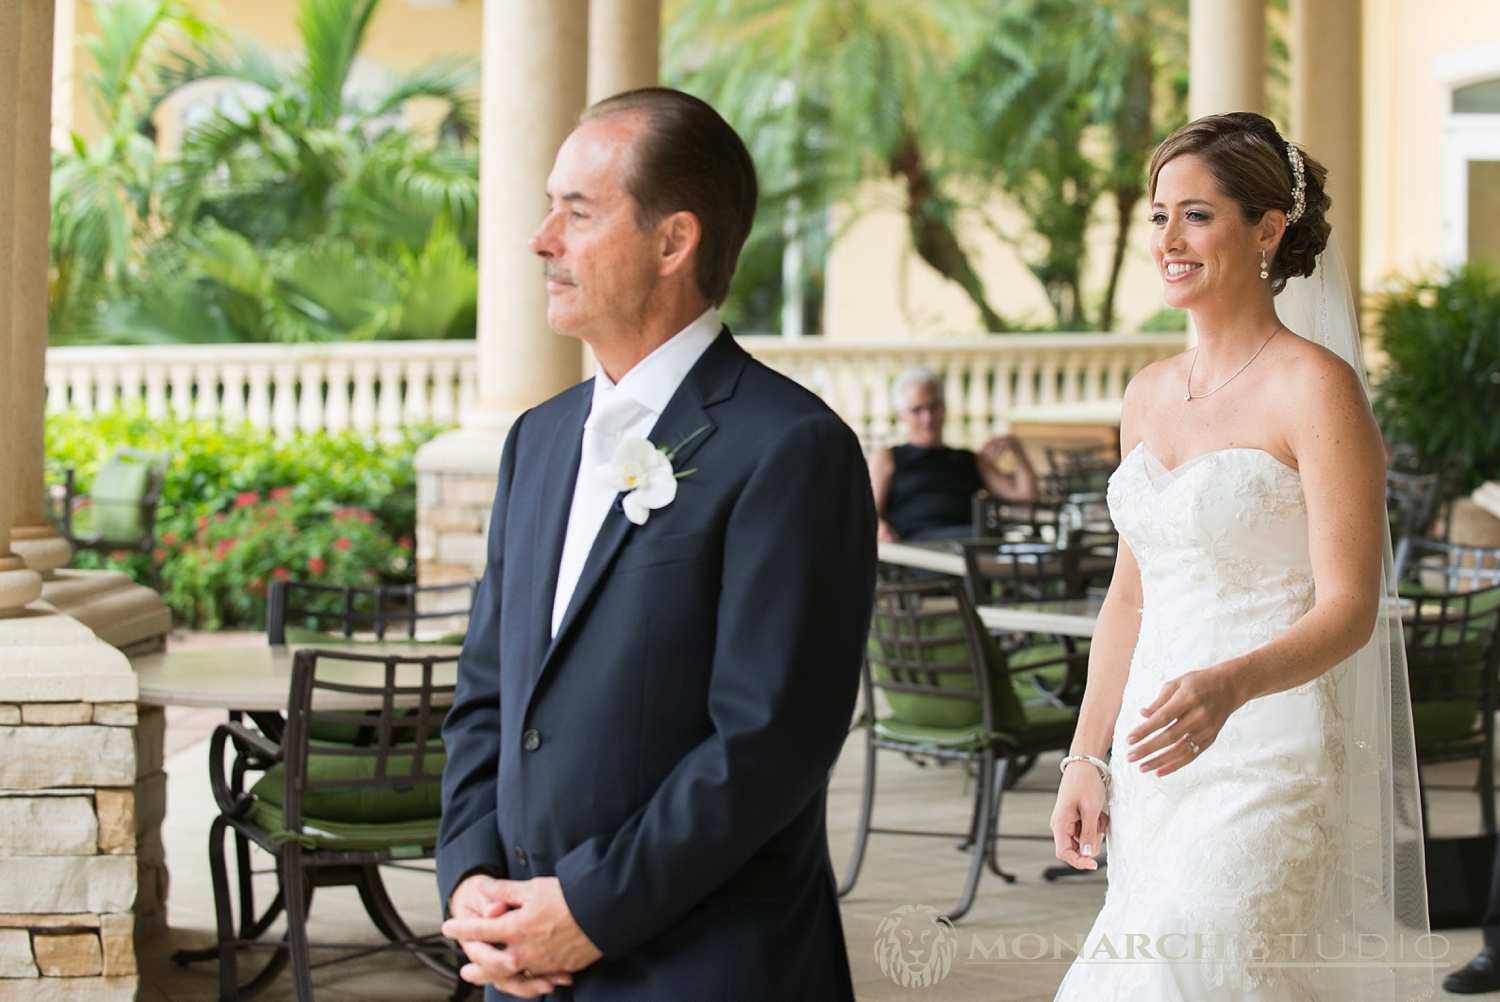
x,y
643,475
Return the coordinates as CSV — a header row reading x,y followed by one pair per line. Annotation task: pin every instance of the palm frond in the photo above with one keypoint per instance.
x,y
333,32
446,78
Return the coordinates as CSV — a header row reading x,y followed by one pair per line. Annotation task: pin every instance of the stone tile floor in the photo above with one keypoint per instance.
x,y
897,871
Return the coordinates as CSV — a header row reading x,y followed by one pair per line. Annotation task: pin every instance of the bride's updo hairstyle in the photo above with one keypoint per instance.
x,y
1252,165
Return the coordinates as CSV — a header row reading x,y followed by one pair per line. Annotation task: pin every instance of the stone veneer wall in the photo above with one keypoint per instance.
x,y
453,524
82,797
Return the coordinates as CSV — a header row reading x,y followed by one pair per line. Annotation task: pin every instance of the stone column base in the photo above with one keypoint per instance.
x,y
456,477
121,613
71,774
41,547
19,585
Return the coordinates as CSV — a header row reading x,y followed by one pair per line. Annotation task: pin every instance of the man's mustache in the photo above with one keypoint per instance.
x,y
556,274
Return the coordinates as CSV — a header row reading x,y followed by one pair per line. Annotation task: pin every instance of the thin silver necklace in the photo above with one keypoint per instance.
x,y
1190,395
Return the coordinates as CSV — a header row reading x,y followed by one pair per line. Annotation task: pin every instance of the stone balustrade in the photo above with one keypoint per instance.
x,y
985,379
366,385
383,385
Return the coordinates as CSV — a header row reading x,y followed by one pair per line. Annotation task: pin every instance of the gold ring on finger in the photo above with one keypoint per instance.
x,y
526,973
1192,744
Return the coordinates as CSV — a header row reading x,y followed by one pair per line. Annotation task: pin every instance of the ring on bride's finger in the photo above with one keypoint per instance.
x,y
1192,744
526,973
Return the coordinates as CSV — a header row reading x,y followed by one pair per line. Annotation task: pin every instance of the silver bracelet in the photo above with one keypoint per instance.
x,y
1097,763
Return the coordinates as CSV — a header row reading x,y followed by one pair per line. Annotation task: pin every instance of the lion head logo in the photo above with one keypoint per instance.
x,y
915,946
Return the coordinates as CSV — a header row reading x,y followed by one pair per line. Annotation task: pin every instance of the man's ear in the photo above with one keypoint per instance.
x,y
677,236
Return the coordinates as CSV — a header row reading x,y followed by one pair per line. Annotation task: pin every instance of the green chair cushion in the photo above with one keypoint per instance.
x,y
119,488
946,738
402,838
365,805
1440,724
1045,723
301,636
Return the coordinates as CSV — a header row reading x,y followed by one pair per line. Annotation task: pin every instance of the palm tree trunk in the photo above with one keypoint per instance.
x,y
1133,142
932,236
1126,199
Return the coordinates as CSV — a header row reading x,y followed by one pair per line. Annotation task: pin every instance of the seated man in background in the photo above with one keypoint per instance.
x,y
925,490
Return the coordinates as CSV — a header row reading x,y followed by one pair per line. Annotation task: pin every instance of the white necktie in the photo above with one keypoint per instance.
x,y
612,413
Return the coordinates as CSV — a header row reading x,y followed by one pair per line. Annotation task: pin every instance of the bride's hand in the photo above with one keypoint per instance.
x,y
1183,721
1079,822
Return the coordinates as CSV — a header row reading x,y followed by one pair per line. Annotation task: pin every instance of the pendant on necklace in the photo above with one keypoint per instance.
x,y
1187,396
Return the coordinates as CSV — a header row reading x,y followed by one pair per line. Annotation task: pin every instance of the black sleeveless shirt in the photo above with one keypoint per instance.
x,y
931,489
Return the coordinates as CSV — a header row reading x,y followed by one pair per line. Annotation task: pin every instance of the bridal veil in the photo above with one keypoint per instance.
x,y
1372,942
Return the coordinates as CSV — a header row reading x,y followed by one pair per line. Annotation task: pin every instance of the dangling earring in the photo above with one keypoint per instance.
x,y
1263,272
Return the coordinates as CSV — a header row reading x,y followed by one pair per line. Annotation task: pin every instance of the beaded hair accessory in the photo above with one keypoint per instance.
x,y
1299,184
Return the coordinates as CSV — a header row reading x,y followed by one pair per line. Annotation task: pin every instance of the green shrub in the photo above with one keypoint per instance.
x,y
240,507
1440,390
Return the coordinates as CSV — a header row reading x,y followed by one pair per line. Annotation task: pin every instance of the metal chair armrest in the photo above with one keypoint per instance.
x,y
246,741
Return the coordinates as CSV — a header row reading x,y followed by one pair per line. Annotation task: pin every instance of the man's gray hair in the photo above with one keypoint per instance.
x,y
915,376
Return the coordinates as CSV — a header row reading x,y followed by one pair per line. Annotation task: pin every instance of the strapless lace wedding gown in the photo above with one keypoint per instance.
x,y
1217,871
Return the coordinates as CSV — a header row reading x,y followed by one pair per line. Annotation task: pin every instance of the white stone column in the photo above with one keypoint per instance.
x,y
624,46
1327,37
534,85
1227,57
18,584
31,537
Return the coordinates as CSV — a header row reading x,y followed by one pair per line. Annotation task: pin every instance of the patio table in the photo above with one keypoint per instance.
x,y
256,679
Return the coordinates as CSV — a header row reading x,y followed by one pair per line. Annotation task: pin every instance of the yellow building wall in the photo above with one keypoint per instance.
x,y
404,34
879,290
1402,212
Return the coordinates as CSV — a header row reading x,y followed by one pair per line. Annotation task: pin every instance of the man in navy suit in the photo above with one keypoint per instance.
x,y
662,661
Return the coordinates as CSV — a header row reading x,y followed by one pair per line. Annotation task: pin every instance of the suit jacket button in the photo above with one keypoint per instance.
x,y
531,740
521,856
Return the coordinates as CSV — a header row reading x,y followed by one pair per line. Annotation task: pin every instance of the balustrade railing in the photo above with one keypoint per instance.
x,y
384,385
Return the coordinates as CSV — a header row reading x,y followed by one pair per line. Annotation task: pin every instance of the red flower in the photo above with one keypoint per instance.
x,y
343,543
256,586
119,556
345,512
366,517
315,565
245,499
158,554
281,574
203,521
222,548
170,538
221,517
281,493
404,542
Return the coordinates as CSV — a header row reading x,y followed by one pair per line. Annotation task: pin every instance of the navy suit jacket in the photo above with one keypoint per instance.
x,y
666,755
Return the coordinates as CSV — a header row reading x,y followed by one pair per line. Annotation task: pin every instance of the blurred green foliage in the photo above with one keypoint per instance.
x,y
239,507
1439,390
299,207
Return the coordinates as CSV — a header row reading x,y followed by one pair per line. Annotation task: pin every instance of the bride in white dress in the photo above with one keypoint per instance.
x,y
1246,679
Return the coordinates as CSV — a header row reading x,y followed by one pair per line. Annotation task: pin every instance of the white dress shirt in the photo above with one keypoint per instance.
x,y
628,409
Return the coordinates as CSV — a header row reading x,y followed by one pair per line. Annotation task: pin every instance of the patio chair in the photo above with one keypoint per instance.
x,y
1079,471
332,813
953,698
1411,501
121,506
1455,594
1021,572
301,612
